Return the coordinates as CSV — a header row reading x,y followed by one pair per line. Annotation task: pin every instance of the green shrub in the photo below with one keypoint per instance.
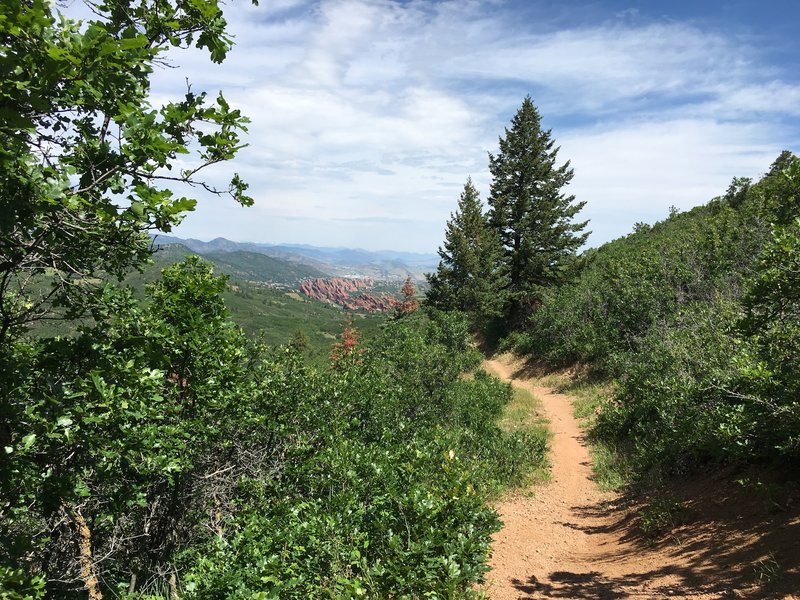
x,y
660,516
696,320
203,461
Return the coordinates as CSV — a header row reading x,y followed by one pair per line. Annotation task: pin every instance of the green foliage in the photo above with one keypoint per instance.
x,y
383,491
156,452
637,282
696,320
772,325
672,406
768,569
184,449
87,164
660,516
470,277
16,584
120,423
531,214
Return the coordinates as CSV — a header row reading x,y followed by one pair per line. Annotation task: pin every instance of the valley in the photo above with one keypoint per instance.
x,y
274,298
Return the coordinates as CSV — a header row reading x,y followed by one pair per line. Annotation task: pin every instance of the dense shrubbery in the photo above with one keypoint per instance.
x,y
156,453
184,457
696,318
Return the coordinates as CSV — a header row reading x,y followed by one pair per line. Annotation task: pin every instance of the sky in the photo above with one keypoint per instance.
x,y
369,115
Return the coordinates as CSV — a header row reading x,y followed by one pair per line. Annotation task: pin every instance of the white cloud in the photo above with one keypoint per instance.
x,y
381,109
635,171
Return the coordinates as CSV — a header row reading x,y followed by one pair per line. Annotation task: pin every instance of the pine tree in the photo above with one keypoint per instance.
x,y
469,276
531,214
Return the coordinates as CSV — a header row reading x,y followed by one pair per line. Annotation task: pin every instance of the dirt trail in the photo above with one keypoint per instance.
x,y
571,540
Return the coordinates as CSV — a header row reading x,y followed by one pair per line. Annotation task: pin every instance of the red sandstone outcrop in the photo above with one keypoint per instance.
x,y
348,294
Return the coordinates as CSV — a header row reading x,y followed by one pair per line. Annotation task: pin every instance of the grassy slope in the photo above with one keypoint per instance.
x,y
273,312
251,266
277,314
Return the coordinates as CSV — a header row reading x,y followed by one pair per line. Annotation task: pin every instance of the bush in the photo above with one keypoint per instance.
x,y
696,319
182,448
674,394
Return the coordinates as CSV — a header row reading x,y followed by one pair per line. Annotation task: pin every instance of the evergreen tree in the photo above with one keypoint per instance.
x,y
531,214
469,276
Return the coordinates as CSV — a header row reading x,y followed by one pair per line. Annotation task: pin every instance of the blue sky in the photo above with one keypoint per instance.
x,y
369,115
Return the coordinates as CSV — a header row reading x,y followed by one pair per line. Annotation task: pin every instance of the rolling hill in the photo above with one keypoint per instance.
x,y
262,297
256,267
342,262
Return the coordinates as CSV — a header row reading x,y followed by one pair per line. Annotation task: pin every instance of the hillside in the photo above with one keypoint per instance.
x,y
273,313
344,262
256,267
683,338
267,305
222,245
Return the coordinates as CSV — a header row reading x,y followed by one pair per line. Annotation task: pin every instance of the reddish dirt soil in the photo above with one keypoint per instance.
x,y
570,540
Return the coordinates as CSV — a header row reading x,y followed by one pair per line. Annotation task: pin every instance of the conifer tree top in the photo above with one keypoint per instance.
x,y
532,215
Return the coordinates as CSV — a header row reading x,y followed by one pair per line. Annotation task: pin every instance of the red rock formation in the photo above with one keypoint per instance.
x,y
345,293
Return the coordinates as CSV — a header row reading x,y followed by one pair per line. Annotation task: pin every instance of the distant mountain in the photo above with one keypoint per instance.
x,y
348,262
240,265
357,256
220,245
253,266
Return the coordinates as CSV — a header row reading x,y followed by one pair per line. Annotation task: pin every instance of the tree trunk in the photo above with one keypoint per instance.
x,y
85,561
173,586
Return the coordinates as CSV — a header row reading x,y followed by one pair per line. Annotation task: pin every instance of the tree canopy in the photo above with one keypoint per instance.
x,y
469,277
88,165
532,215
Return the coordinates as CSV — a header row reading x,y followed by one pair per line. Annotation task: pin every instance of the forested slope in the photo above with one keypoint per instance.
x,y
157,452
697,319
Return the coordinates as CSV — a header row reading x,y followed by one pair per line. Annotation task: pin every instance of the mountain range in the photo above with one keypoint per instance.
x,y
341,262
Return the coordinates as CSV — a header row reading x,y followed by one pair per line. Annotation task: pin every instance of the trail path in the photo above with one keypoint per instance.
x,y
571,540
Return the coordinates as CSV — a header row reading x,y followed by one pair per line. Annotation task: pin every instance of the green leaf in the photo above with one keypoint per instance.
x,y
131,43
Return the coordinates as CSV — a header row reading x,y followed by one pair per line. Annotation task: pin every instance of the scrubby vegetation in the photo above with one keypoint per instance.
x,y
156,451
696,320
159,450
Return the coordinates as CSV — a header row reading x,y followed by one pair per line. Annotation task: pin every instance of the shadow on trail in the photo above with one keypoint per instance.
x,y
738,536
731,546
565,584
